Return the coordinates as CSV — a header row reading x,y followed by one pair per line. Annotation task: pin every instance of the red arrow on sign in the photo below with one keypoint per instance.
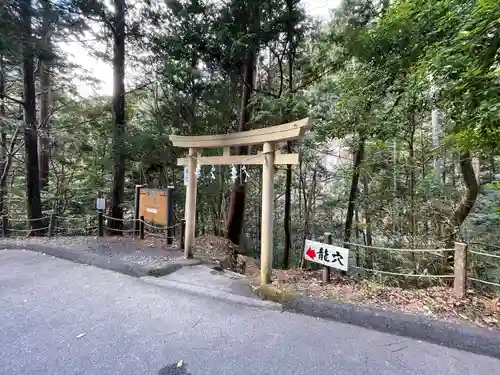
x,y
311,253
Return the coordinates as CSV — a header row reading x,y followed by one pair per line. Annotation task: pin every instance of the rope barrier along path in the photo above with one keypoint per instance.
x,y
158,228
391,249
117,219
69,218
484,254
156,235
28,230
147,225
119,230
484,282
404,274
28,220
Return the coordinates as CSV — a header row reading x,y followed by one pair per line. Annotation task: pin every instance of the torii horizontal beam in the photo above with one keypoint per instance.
x,y
274,134
259,159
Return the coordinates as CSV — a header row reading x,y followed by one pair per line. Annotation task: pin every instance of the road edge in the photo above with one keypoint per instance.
x,y
471,339
101,261
216,294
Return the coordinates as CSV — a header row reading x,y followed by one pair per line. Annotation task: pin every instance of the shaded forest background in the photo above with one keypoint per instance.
x,y
404,94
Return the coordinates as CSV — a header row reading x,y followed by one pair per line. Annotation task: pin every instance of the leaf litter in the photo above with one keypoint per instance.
x,y
437,302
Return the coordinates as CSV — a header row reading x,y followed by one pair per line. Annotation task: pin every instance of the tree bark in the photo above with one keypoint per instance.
x,y
33,202
3,136
45,97
463,210
288,212
411,151
6,164
238,195
118,182
308,204
290,26
368,222
358,158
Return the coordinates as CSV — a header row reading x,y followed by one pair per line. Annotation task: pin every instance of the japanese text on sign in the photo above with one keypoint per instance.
x,y
328,255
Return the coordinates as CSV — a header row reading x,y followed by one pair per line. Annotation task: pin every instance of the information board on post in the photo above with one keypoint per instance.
x,y
327,255
153,205
100,204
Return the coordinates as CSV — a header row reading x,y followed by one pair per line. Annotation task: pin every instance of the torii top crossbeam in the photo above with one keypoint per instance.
x,y
269,157
278,133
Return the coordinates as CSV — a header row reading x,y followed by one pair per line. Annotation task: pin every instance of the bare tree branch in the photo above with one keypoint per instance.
x,y
2,96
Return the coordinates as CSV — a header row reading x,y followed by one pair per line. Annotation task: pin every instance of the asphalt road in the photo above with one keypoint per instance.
x,y
57,317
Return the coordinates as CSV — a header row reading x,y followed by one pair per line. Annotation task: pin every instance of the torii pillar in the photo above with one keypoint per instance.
x,y
268,158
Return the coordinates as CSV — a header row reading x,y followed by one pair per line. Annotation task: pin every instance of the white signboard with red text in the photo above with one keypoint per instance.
x,y
328,255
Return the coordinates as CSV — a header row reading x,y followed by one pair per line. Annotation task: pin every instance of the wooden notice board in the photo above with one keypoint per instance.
x,y
153,205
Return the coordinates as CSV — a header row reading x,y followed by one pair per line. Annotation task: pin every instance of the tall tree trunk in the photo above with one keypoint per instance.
x,y
118,187
6,164
288,212
463,210
308,204
33,202
358,157
238,194
436,133
368,221
290,26
45,97
3,136
356,232
395,161
411,151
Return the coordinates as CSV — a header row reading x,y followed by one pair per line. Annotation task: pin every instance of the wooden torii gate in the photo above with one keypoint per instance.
x,y
268,158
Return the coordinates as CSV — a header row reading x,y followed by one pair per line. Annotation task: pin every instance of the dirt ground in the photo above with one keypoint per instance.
x,y
437,302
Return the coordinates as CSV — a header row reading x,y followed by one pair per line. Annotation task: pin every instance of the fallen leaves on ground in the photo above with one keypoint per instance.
x,y
438,301
212,247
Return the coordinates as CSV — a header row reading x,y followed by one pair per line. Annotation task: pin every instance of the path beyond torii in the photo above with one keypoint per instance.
x,y
268,158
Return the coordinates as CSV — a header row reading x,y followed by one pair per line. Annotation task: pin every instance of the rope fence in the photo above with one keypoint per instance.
x,y
404,274
28,230
404,250
484,255
147,225
57,225
484,282
459,276
118,219
29,220
458,269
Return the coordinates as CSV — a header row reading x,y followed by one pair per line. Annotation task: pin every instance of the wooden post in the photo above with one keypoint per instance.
x,y
460,270
52,224
326,270
100,224
137,198
266,239
141,227
183,233
190,209
5,226
170,215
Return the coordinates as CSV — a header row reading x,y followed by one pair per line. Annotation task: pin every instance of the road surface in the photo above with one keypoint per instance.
x,y
57,317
